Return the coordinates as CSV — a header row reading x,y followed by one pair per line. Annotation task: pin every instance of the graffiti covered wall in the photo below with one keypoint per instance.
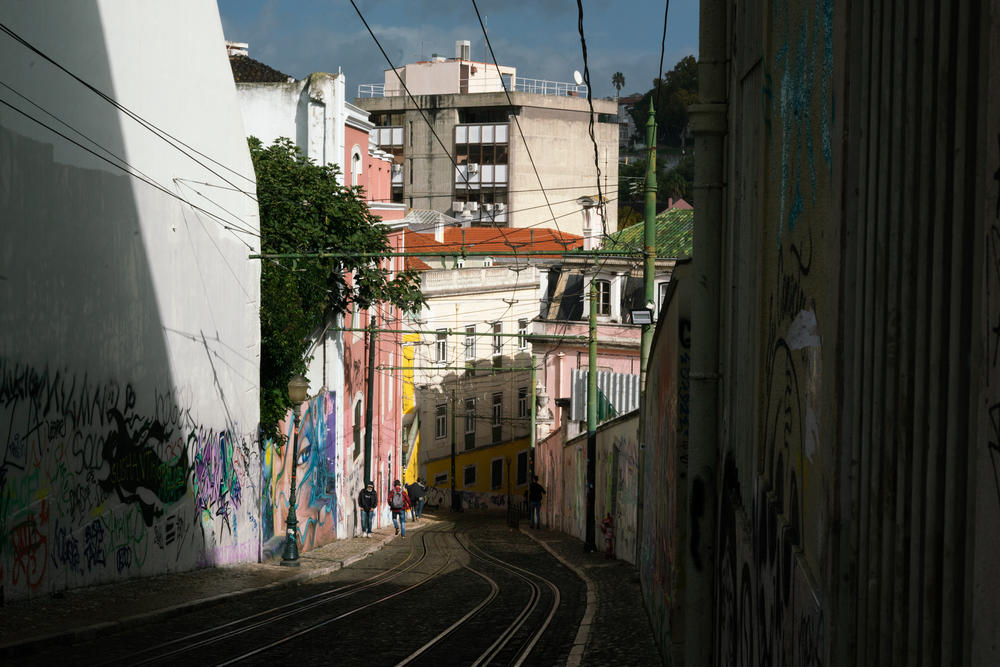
x,y
324,507
99,482
129,332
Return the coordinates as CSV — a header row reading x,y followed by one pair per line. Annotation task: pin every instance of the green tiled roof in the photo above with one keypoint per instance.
x,y
674,234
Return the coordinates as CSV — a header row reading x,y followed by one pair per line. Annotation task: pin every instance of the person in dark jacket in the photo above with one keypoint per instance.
x,y
399,503
417,492
535,493
367,501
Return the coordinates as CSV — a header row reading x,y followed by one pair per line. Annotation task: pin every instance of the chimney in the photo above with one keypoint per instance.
x,y
463,49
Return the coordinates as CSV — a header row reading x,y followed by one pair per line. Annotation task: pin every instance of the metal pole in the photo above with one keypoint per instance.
x,y
290,556
369,392
591,544
456,504
445,253
648,277
534,423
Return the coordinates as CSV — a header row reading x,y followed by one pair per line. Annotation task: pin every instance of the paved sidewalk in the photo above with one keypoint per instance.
x,y
615,630
85,613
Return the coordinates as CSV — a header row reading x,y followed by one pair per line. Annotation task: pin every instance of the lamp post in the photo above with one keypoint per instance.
x,y
298,388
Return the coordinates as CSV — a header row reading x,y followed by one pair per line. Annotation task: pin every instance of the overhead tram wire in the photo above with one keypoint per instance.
x,y
148,125
144,176
226,224
506,93
423,115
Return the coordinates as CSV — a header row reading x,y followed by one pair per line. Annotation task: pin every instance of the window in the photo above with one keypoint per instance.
x,y
487,262
357,429
496,474
440,420
522,402
522,468
355,166
441,346
470,423
469,475
603,295
498,416
663,295
440,478
497,338
470,343
522,334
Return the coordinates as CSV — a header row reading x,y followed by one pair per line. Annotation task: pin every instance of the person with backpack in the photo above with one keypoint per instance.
x,y
416,491
367,502
399,503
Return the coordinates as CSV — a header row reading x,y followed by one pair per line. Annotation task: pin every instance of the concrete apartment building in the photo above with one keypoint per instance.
x,y
483,172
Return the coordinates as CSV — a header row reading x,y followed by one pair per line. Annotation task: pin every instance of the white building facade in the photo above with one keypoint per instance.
x,y
130,342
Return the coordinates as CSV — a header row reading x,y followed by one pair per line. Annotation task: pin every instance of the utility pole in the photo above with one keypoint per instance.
x,y
648,280
369,392
591,544
456,504
649,246
534,424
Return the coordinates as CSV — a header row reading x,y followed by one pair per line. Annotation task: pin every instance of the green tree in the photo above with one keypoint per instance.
x,y
304,210
678,89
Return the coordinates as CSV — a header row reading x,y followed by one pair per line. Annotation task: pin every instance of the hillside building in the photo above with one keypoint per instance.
x,y
473,135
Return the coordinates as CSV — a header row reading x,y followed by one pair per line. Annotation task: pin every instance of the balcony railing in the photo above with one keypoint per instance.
x,y
521,85
543,87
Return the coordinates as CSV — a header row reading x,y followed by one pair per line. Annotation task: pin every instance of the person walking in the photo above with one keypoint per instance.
x,y
535,493
367,501
399,503
417,492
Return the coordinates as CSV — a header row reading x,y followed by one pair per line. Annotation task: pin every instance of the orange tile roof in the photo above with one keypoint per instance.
x,y
487,239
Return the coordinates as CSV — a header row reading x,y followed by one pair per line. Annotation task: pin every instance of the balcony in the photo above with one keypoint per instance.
x,y
515,84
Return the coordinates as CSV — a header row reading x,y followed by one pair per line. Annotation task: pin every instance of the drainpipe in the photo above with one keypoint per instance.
x,y
709,123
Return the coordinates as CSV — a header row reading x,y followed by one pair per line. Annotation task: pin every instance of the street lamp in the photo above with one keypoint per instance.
x,y
298,389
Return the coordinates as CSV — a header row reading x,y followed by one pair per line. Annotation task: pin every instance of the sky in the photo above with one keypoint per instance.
x,y
538,37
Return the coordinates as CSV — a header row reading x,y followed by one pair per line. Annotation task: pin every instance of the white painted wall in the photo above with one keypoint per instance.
x,y
129,332
310,112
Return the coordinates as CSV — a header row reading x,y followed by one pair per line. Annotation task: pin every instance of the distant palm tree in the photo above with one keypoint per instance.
x,y
618,81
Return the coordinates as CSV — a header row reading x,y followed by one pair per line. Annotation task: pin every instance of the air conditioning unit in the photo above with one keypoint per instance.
x,y
488,208
397,169
458,206
473,168
500,208
472,206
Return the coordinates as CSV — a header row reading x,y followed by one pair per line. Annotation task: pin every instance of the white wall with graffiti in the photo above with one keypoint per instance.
x,y
129,340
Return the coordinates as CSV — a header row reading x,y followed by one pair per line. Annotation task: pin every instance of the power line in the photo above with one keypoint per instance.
x,y
503,84
224,223
151,127
423,115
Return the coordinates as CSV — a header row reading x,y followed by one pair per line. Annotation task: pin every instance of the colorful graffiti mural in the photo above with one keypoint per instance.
x,y
99,481
325,503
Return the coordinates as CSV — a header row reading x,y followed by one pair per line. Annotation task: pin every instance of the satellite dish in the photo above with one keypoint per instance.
x,y
577,77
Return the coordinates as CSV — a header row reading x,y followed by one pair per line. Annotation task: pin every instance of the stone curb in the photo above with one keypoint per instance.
x,y
583,634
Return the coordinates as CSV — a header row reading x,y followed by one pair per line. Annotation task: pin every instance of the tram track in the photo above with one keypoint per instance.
x,y
216,635
497,612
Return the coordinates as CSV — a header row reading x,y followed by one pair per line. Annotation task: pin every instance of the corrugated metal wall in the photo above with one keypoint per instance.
x,y
621,390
